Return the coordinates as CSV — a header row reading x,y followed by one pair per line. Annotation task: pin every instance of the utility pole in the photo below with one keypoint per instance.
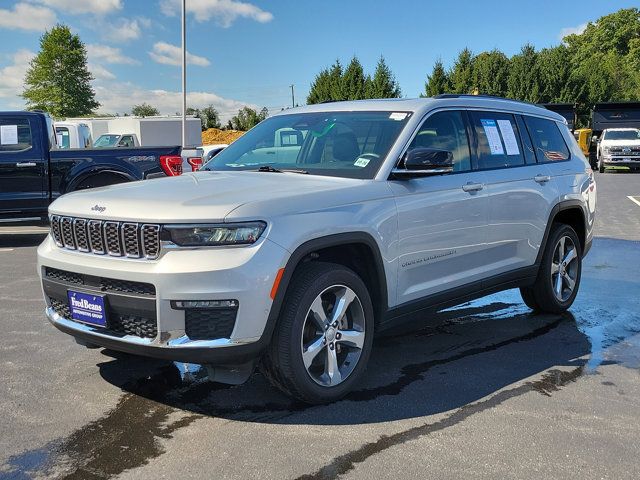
x,y
184,74
293,97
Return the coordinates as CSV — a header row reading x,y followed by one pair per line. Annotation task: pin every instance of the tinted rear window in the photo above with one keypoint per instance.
x,y
15,134
499,142
547,139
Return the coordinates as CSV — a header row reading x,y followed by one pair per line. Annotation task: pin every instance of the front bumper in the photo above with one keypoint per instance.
x,y
244,274
610,161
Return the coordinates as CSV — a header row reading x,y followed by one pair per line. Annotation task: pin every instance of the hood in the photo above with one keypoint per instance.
x,y
201,196
620,143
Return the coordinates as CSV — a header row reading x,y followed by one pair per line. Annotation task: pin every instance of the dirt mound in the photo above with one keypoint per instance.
x,y
215,135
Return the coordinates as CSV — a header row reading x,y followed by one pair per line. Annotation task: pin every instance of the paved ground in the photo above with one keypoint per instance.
x,y
493,391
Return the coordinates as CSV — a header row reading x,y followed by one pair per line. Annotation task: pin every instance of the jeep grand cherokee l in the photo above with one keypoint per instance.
x,y
320,227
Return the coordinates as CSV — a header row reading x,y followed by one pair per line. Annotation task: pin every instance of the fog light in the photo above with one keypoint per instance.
x,y
183,304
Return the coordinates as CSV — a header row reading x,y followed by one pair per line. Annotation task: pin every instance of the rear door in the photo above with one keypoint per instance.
x,y
23,167
441,219
520,191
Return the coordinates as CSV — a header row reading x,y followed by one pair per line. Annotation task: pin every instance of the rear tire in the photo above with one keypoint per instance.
x,y
558,279
319,350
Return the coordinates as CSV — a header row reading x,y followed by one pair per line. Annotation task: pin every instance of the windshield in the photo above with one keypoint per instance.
x,y
106,141
622,135
341,144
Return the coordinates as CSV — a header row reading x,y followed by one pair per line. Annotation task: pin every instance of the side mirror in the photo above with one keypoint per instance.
x,y
424,162
595,139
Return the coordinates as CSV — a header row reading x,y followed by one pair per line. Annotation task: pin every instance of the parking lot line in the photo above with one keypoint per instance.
x,y
635,200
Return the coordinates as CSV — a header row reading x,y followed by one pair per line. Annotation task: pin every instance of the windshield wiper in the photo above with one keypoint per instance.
x,y
269,168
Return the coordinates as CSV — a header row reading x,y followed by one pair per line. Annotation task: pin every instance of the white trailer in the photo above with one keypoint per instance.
x,y
150,131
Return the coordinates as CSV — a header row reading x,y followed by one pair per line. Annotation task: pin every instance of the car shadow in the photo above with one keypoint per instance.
x,y
435,369
454,358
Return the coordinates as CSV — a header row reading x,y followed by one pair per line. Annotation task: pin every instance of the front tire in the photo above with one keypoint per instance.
x,y
324,336
558,279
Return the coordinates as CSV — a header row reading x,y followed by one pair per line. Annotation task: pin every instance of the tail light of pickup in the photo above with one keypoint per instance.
x,y
195,162
171,164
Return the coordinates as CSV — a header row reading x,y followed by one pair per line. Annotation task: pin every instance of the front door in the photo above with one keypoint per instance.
x,y
441,219
23,169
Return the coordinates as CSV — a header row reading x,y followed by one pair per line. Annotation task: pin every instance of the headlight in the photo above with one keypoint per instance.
x,y
214,235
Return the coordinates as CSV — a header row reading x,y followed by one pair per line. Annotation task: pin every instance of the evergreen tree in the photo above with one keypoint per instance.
x,y
335,82
353,81
461,75
321,88
58,80
523,82
383,84
438,81
491,73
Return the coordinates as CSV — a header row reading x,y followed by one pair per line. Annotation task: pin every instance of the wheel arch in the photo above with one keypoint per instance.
x,y
569,212
343,248
88,175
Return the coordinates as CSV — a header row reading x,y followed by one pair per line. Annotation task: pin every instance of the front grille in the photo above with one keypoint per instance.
x,y
125,286
118,239
67,277
120,324
103,283
209,323
627,151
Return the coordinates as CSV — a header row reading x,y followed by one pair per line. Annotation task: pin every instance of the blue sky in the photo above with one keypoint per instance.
x,y
249,52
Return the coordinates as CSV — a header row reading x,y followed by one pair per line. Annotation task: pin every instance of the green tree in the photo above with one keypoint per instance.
x,y
353,81
383,84
335,81
491,73
523,81
58,80
438,81
210,117
247,118
554,69
461,75
321,88
145,110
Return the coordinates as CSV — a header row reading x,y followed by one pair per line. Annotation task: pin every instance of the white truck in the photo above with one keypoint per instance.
x,y
73,135
619,148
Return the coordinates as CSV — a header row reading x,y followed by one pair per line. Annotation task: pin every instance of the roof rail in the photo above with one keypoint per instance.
x,y
469,95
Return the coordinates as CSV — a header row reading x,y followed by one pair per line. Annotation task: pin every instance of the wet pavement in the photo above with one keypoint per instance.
x,y
485,389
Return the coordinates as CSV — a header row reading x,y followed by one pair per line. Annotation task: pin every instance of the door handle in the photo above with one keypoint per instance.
x,y
472,187
542,178
26,164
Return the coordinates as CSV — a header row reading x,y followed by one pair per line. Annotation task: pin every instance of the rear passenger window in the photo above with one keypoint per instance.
x,y
446,131
547,139
15,134
527,146
499,144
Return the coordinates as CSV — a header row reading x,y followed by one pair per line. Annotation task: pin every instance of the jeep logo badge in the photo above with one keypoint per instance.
x,y
98,208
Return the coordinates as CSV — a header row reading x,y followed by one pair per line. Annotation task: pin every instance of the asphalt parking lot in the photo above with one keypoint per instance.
x,y
492,391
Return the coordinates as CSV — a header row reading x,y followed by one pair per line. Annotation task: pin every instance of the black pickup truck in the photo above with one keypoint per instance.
x,y
33,172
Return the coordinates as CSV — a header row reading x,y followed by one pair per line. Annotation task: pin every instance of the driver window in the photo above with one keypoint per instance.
x,y
446,131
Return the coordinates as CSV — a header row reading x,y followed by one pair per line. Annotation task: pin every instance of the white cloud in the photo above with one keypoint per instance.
x,y
123,30
99,72
121,96
107,54
12,77
571,30
27,17
97,7
225,12
168,54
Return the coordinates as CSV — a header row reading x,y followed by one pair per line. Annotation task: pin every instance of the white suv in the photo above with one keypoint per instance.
x,y
319,228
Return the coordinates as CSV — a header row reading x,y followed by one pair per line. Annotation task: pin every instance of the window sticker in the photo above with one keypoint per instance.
x,y
362,162
509,137
493,136
8,134
398,116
